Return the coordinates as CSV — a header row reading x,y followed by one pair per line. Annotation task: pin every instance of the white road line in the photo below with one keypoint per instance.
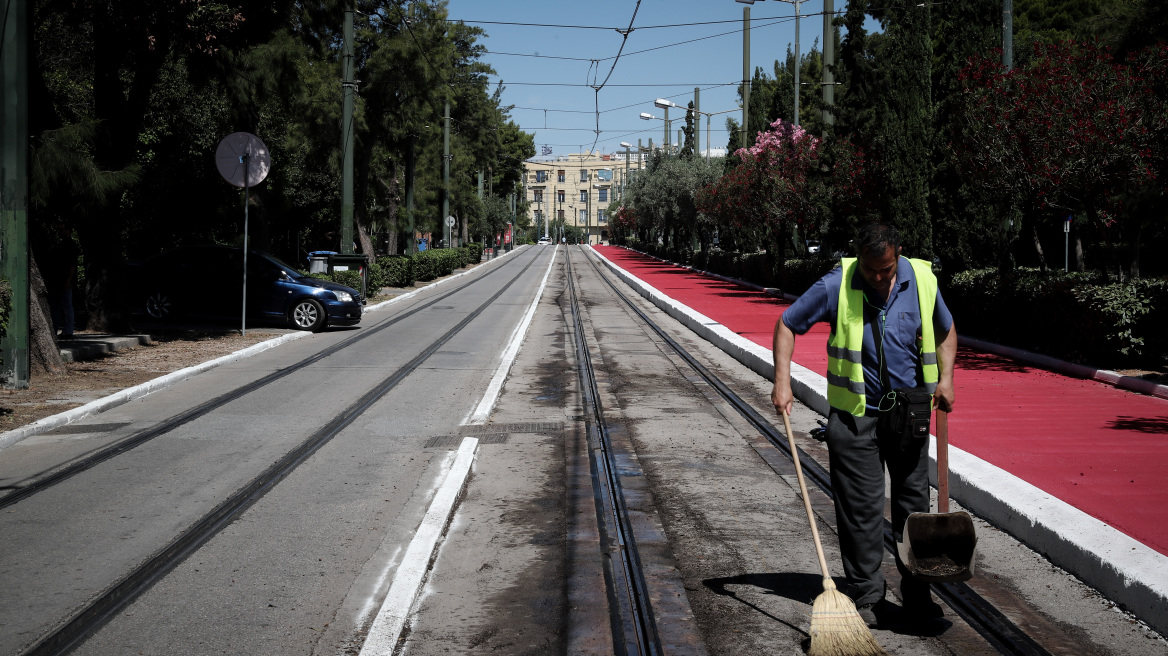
x,y
479,414
411,574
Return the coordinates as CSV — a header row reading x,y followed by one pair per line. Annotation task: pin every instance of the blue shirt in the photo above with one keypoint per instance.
x,y
900,316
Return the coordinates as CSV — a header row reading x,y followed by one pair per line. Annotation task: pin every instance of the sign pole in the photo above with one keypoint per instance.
x,y
1067,243
246,201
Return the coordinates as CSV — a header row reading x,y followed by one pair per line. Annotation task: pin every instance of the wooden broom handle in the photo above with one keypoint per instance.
x,y
806,499
942,461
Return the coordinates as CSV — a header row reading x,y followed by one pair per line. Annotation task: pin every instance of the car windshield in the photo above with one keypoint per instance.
x,y
287,268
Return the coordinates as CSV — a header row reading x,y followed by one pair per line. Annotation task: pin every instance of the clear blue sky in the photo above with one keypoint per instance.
x,y
711,60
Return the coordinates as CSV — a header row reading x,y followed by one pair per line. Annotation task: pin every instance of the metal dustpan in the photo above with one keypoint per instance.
x,y
939,546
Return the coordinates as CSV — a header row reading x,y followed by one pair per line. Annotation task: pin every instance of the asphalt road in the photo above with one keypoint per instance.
x,y
305,568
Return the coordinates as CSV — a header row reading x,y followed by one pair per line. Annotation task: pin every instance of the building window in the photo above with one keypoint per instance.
x,y
601,216
560,193
604,174
560,177
584,196
539,195
541,176
538,215
583,216
583,175
604,195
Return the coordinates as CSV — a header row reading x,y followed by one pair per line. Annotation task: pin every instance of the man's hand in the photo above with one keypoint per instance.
x,y
946,357
943,396
784,346
782,397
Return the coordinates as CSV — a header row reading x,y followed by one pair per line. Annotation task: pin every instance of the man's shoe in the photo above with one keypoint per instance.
x,y
917,611
868,614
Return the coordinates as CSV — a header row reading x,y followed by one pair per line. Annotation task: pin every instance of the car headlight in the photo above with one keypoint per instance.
x,y
344,297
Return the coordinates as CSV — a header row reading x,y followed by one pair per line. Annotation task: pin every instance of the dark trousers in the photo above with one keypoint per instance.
x,y
858,456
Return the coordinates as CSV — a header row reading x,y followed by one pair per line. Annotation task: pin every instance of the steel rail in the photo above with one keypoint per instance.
x,y
631,613
141,437
83,622
987,620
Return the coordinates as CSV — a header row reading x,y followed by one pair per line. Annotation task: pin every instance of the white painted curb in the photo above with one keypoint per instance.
x,y
15,435
411,573
1121,568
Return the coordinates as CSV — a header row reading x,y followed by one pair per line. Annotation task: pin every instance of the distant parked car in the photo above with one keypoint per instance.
x,y
544,241
207,282
812,247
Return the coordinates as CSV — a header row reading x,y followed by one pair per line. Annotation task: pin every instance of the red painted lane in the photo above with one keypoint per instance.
x,y
1101,449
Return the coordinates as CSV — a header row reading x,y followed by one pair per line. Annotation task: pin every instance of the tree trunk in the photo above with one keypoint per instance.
x,y
43,354
366,242
1038,246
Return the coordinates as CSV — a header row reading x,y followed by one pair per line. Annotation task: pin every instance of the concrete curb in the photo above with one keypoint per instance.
x,y
8,438
1123,569
1114,378
88,347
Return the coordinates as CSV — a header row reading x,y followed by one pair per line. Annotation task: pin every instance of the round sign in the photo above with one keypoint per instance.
x,y
242,154
450,222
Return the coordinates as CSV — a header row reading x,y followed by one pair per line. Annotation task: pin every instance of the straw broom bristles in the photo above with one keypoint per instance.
x,y
837,629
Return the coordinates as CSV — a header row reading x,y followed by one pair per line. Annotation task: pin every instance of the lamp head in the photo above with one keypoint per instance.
x,y
646,116
663,103
625,144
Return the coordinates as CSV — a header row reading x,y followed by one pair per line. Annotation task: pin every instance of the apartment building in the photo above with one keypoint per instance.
x,y
575,190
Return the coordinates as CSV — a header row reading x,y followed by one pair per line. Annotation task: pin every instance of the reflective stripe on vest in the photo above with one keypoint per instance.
x,y
845,371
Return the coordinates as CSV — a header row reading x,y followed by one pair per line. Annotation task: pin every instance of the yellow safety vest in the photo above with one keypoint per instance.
x,y
845,370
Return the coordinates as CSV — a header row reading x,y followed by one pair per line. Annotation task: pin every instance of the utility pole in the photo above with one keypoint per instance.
x,y
746,75
828,62
665,141
347,85
1008,34
14,373
446,172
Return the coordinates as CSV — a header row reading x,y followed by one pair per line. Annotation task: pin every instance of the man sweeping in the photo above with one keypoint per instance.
x,y
892,345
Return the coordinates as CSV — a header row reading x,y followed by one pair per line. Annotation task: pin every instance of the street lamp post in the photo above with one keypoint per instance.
x,y
645,116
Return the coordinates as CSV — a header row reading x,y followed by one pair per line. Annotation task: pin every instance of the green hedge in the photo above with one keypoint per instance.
x,y
405,270
1082,317
795,277
395,271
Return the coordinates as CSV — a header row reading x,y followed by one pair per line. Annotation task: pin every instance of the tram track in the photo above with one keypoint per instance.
x,y
981,615
634,627
94,614
130,442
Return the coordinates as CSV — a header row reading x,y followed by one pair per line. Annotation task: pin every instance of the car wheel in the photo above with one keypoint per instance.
x,y
308,314
160,305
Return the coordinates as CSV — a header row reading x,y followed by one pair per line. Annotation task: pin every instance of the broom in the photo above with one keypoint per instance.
x,y
836,628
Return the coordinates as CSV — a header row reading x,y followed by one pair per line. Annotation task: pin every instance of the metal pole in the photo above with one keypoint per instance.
x,y
665,141
745,74
1008,34
246,202
14,265
797,66
828,62
446,171
708,149
347,139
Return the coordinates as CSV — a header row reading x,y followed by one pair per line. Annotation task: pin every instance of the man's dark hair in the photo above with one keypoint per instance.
x,y
874,239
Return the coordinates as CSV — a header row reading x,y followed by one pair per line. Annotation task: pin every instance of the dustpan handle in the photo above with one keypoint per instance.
x,y
942,461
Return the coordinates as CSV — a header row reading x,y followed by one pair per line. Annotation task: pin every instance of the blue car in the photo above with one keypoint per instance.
x,y
207,282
